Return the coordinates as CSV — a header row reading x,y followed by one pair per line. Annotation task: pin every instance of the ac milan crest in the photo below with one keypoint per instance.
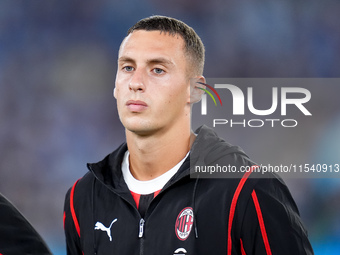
x,y
184,222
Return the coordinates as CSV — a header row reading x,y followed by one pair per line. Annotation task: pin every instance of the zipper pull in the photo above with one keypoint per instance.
x,y
141,228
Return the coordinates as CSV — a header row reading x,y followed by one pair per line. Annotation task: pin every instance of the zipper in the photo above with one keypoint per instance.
x,y
141,235
141,228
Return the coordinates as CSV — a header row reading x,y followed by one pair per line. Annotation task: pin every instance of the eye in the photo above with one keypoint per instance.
x,y
158,70
128,68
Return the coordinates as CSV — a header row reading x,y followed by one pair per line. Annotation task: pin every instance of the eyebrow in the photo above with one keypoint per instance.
x,y
159,60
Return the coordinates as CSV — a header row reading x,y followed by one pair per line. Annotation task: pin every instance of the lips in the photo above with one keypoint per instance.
x,y
136,105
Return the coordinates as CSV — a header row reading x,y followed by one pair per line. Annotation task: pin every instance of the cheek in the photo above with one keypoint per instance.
x,y
119,83
119,88
115,93
176,100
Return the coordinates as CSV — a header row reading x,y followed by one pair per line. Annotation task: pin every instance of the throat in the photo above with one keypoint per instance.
x,y
151,157
145,187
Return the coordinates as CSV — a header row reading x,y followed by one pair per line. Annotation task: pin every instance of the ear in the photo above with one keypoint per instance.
x,y
195,91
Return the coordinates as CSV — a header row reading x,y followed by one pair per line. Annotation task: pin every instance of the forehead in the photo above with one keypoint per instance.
x,y
152,44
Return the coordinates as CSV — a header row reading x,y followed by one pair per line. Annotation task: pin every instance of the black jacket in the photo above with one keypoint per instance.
x,y
193,216
17,236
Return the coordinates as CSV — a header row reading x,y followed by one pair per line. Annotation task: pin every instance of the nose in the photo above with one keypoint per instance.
x,y
137,82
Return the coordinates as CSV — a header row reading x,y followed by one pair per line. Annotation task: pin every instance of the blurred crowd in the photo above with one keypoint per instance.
x,y
57,72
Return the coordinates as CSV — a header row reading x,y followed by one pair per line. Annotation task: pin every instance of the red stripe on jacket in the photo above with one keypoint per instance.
x,y
74,216
243,252
233,206
261,223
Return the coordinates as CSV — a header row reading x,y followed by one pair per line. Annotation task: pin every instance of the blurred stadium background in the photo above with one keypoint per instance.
x,y
57,72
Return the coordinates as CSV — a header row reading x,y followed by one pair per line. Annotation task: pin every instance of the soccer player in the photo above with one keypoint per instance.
x,y
141,199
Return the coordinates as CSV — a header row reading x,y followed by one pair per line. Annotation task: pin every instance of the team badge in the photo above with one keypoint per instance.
x,y
184,222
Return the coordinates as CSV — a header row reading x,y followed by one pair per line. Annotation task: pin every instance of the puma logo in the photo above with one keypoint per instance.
x,y
100,226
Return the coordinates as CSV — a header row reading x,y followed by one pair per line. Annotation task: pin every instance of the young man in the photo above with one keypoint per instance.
x,y
141,199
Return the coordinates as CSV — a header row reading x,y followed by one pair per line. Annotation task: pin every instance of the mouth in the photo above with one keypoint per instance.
x,y
136,105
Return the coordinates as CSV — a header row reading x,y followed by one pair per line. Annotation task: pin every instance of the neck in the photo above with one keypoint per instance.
x,y
152,156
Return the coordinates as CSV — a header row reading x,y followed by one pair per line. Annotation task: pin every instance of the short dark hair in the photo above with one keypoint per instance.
x,y
194,47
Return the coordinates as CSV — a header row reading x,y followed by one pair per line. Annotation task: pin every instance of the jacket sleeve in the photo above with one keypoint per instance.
x,y
17,235
272,223
71,233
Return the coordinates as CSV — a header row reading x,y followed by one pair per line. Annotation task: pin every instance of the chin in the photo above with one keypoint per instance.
x,y
140,128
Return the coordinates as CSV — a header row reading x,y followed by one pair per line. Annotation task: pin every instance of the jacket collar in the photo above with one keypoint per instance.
x,y
207,148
